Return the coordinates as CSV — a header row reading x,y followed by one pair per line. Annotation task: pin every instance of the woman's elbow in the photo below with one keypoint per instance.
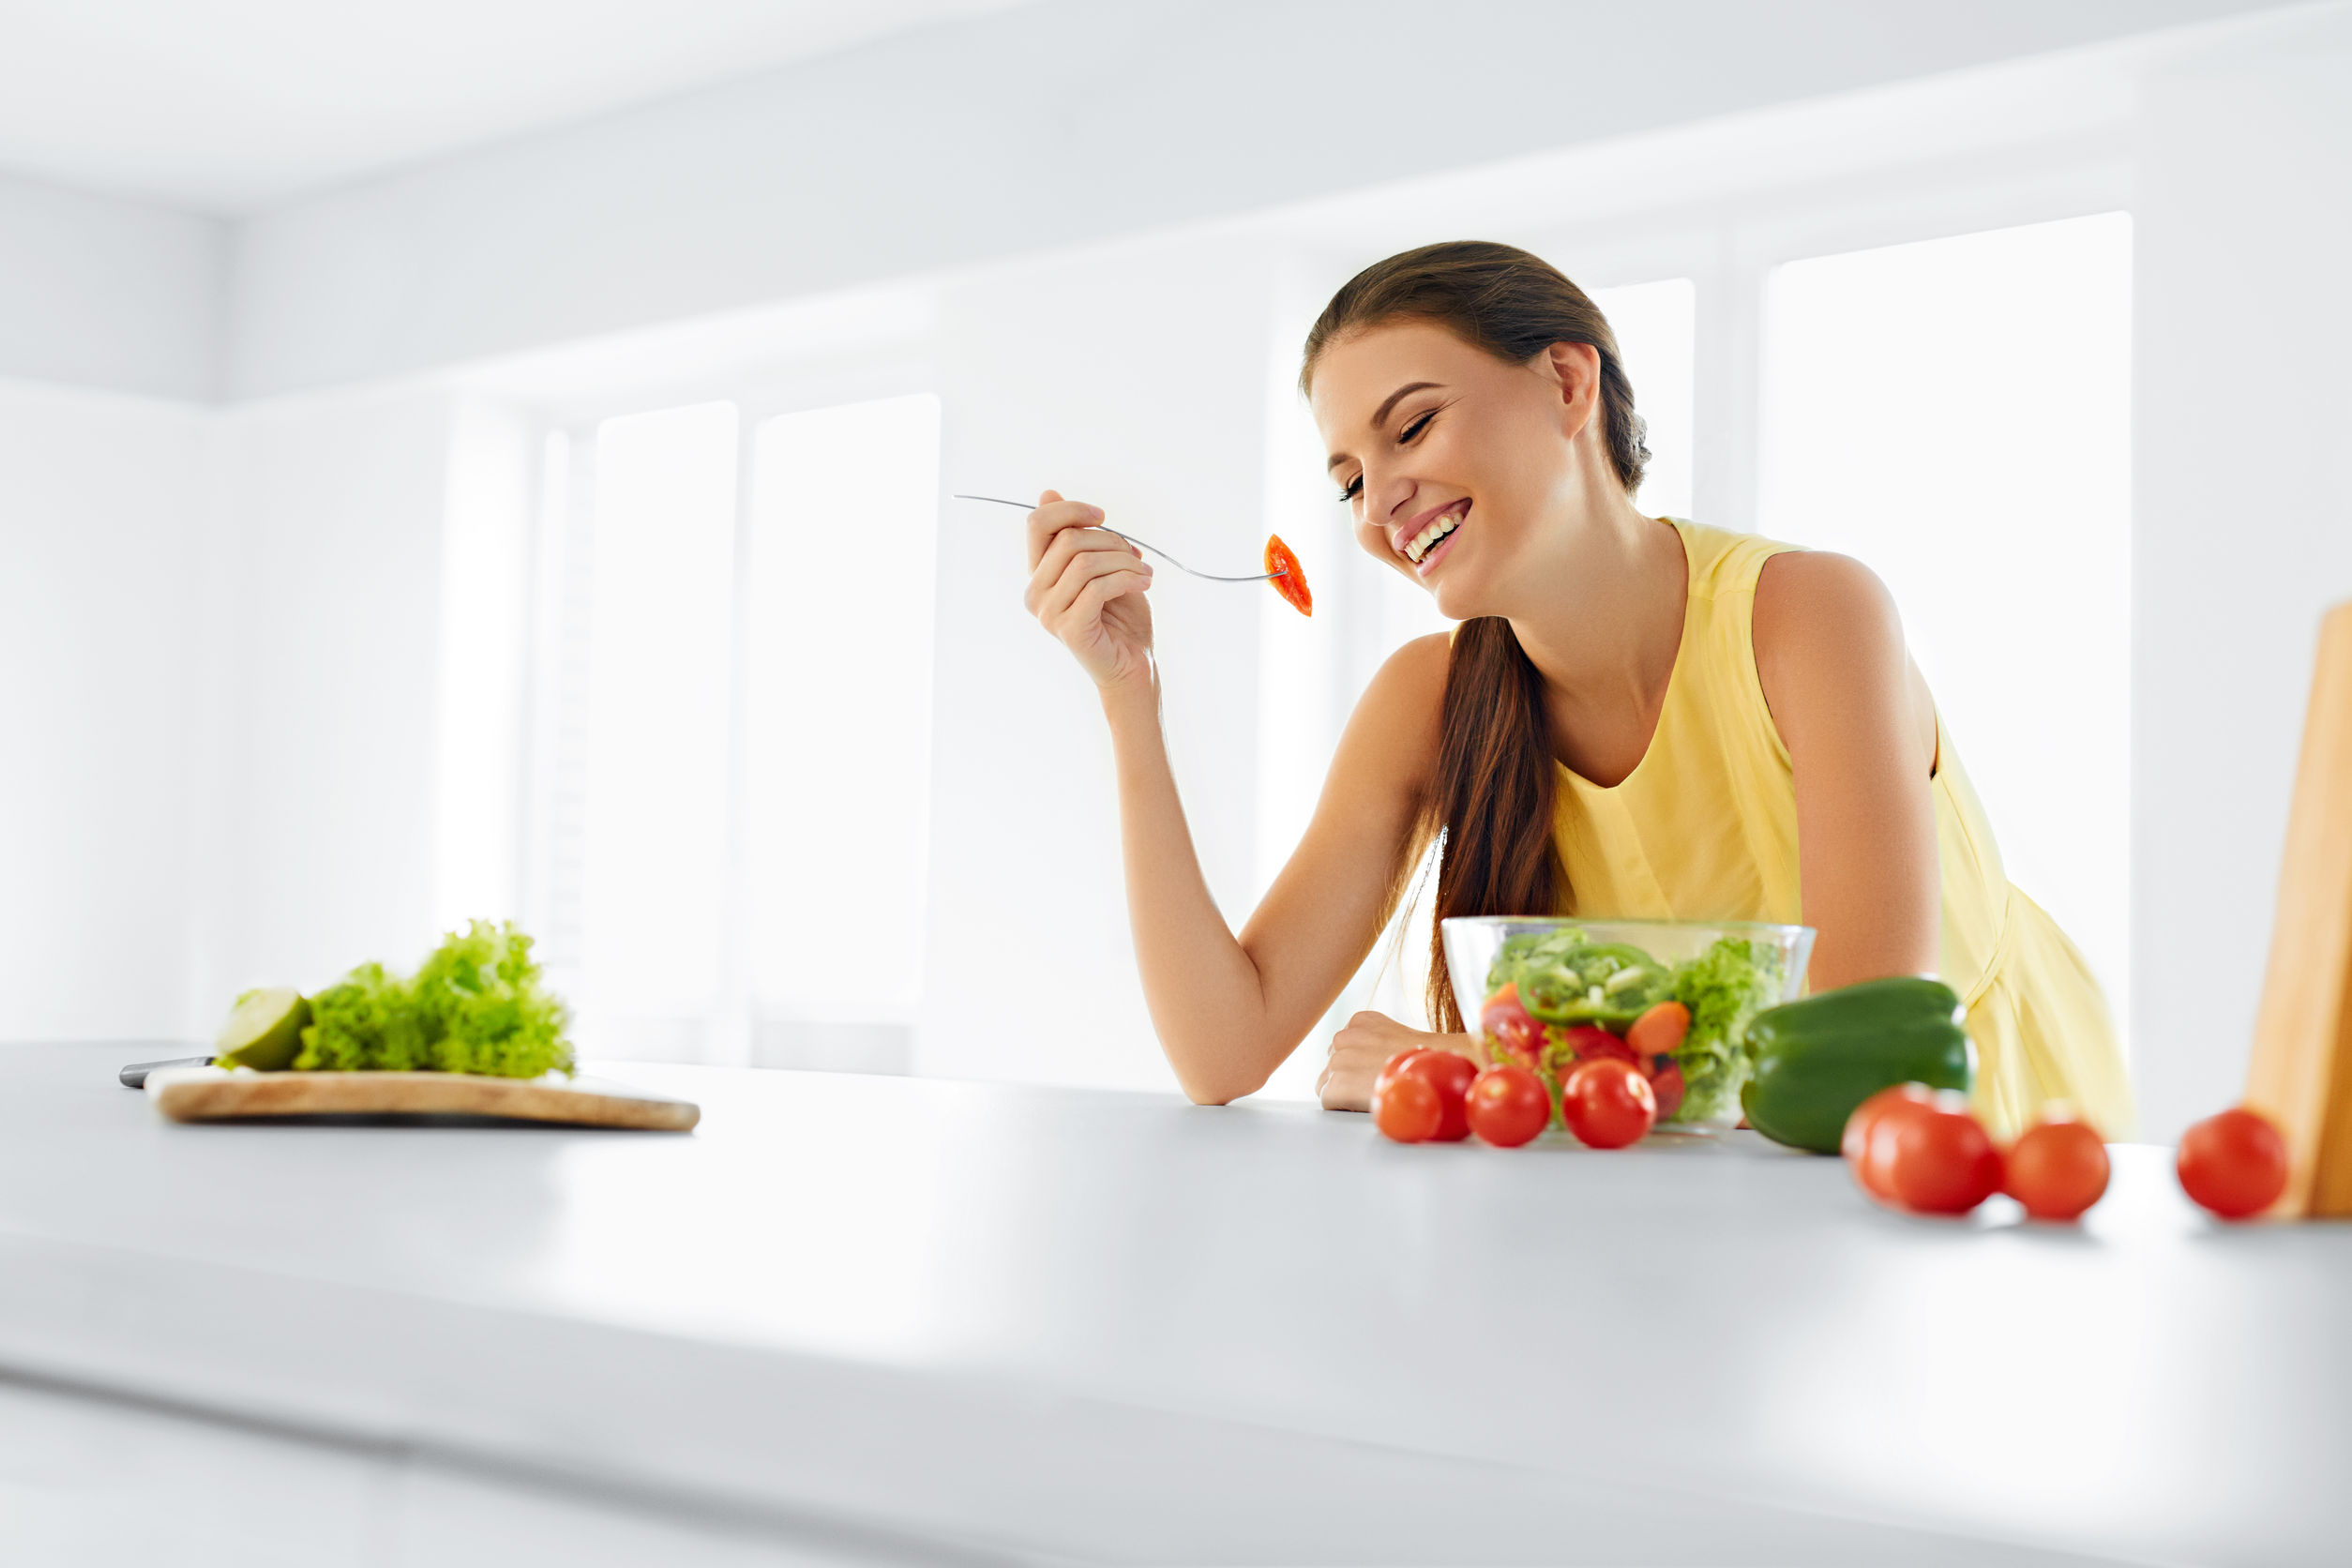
x,y
1205,1086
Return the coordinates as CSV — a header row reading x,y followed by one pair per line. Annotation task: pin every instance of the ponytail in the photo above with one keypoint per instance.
x,y
1491,804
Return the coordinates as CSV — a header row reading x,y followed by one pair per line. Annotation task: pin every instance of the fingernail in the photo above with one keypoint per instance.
x,y
1097,511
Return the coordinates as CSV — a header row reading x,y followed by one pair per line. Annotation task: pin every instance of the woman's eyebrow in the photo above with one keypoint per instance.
x,y
1379,416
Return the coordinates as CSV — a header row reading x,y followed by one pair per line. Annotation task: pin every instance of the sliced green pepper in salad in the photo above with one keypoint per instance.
x,y
1565,981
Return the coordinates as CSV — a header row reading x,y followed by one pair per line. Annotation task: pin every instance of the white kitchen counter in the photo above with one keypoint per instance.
x,y
861,1319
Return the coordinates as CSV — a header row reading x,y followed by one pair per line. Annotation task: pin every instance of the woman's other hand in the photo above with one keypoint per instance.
x,y
1086,586
1359,1051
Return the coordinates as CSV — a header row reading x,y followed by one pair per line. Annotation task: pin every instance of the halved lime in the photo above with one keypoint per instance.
x,y
263,1031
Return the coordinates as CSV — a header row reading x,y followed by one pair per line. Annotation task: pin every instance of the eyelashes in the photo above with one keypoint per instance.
x,y
1405,437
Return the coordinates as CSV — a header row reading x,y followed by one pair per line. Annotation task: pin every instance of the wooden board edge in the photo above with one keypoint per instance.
x,y
208,1093
2301,1072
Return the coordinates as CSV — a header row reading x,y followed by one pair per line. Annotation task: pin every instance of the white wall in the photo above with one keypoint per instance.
x,y
314,841
100,542
2243,520
103,293
1043,126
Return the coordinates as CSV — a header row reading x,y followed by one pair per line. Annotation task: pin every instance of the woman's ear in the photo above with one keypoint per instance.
x,y
1574,371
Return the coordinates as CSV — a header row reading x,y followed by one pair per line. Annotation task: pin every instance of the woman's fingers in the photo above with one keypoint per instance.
x,y
1078,572
1090,581
1074,545
1358,1052
1052,515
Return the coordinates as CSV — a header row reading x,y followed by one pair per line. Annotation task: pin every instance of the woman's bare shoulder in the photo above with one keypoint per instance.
x,y
1827,632
1801,589
1394,731
1410,683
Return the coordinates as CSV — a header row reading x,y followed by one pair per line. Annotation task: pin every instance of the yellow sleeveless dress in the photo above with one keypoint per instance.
x,y
1705,828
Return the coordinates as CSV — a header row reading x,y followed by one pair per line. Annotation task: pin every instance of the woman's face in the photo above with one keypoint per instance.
x,y
1459,468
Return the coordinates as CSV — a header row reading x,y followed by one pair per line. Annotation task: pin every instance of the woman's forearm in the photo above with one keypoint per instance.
x,y
1205,995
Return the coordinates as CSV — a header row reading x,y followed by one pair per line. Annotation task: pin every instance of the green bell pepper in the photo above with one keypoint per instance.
x,y
1815,1060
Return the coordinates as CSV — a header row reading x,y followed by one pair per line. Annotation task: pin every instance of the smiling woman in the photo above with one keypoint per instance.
x,y
1638,717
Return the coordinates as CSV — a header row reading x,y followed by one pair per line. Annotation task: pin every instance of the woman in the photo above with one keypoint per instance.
x,y
1636,718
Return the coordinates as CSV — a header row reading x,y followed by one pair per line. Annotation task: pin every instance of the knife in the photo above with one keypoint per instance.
x,y
135,1076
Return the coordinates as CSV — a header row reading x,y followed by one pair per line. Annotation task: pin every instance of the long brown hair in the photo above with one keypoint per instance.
x,y
1491,805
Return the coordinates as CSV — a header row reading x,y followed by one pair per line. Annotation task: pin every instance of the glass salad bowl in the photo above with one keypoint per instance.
x,y
1671,997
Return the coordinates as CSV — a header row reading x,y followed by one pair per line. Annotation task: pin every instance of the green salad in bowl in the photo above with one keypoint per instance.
x,y
1673,998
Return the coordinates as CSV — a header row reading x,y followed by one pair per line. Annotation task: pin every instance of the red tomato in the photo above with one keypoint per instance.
x,y
1608,1104
1659,1029
1507,1106
1512,1033
2233,1164
1592,1044
1859,1147
1666,1084
1287,579
1944,1161
2056,1168
1408,1109
1394,1066
1448,1074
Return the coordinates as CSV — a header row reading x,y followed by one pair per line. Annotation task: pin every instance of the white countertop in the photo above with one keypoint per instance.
x,y
949,1318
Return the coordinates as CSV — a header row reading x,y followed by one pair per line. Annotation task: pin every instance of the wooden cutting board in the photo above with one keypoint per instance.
x,y
2301,1072
215,1094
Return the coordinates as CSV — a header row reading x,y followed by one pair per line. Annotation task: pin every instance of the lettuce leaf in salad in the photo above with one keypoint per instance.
x,y
478,1003
1724,988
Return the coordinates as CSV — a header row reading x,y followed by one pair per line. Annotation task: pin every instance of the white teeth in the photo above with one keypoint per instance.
x,y
1422,543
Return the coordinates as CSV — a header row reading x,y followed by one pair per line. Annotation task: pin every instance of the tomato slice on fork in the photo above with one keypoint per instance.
x,y
1291,583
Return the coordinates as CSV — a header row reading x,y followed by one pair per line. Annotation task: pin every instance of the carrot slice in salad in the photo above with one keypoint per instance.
x,y
1292,584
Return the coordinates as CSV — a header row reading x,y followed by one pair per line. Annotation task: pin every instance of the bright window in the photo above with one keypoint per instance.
x,y
733,786
838,776
1654,326
654,859
1957,414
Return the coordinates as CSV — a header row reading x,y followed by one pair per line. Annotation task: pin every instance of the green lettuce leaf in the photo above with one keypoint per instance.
x,y
1724,988
478,1003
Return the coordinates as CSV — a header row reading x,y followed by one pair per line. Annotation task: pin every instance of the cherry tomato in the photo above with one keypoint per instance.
x,y
1507,1106
1592,1043
1608,1104
2056,1168
1944,1161
1408,1109
1395,1064
1451,1076
1660,1030
1859,1146
2233,1164
1666,1084
1512,1033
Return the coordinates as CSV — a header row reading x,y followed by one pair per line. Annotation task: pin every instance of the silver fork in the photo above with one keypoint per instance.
x,y
1263,577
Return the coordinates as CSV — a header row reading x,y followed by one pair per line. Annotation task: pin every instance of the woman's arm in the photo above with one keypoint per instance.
x,y
1228,1010
1860,732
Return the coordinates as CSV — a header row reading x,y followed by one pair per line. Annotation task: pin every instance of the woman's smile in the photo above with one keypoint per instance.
x,y
1424,539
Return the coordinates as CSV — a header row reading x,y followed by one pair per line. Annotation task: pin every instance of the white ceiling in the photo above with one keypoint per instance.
x,y
234,105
